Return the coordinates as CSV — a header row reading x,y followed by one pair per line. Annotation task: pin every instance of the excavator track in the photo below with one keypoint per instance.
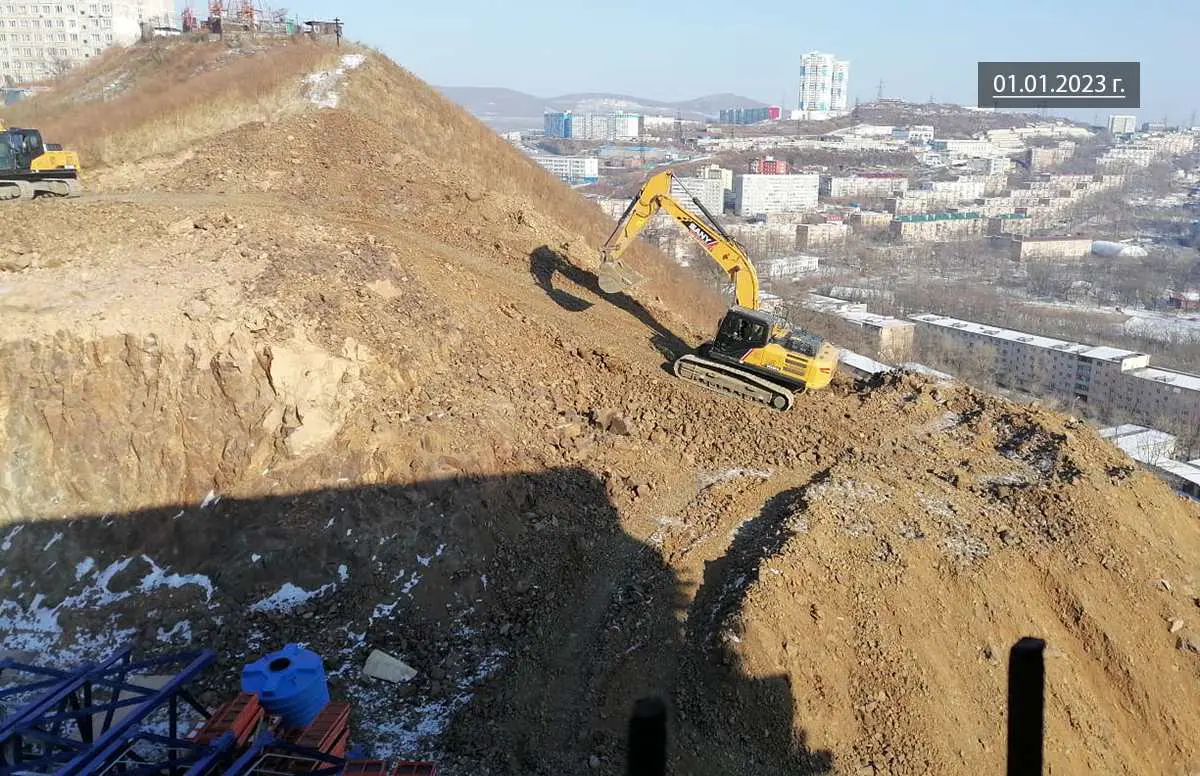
x,y
730,381
29,189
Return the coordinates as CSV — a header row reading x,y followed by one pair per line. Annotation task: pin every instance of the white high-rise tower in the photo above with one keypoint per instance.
x,y
824,83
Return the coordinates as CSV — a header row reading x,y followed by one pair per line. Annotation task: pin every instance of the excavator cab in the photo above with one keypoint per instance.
x,y
740,331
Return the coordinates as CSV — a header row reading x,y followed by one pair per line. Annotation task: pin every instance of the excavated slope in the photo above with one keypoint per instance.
x,y
336,370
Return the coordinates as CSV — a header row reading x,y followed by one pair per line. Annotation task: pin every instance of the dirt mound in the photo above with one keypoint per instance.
x,y
332,367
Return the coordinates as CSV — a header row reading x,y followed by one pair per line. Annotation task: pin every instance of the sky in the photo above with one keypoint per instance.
x,y
676,51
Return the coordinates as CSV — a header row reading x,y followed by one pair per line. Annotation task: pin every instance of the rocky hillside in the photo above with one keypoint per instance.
x,y
331,366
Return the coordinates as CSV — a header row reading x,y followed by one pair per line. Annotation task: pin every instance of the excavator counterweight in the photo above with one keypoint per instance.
x,y
752,356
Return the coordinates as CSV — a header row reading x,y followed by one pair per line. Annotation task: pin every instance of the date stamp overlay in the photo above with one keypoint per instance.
x,y
1060,85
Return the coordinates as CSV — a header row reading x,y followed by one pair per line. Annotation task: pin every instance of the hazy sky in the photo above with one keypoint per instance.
x,y
672,51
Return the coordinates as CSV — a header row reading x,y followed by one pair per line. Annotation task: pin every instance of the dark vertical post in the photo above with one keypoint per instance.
x,y
337,30
648,738
1026,707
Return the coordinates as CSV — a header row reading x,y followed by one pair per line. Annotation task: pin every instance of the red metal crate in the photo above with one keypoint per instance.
x,y
414,768
240,715
366,768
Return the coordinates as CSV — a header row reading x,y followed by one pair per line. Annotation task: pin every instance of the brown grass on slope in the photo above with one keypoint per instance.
x,y
165,96
451,138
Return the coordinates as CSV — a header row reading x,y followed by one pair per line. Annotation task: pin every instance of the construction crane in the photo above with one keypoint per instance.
x,y
753,355
30,167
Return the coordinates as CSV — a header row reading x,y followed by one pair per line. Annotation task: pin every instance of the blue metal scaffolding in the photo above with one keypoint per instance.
x,y
98,719
110,718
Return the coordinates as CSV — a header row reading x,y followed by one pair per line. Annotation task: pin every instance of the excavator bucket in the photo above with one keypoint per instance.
x,y
615,277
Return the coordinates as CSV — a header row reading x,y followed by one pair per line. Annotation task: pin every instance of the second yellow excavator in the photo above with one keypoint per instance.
x,y
753,356
31,167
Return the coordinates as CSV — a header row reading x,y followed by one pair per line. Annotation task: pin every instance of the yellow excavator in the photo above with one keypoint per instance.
x,y
30,167
753,356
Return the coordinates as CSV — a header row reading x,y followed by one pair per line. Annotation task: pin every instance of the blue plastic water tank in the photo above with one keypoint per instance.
x,y
289,683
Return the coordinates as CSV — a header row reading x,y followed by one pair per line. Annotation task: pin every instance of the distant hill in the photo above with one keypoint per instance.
x,y
509,109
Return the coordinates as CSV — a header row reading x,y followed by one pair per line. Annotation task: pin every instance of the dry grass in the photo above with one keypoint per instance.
x,y
166,96
440,130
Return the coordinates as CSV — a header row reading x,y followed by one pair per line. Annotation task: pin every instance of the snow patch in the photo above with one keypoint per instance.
x,y
708,480
83,567
323,85
181,631
255,557
53,540
7,544
210,500
159,578
412,582
289,597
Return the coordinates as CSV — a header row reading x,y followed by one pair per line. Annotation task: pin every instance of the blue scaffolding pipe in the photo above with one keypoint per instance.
x,y
65,705
114,738
66,700
69,683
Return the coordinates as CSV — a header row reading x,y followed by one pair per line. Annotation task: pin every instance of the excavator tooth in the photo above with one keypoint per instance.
x,y
615,277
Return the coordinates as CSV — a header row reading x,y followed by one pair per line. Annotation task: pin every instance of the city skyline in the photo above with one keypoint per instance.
x,y
918,50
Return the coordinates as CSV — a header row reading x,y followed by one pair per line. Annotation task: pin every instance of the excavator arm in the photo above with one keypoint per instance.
x,y
655,196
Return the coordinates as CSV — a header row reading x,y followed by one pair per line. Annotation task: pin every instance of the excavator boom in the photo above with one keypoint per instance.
x,y
753,356
654,196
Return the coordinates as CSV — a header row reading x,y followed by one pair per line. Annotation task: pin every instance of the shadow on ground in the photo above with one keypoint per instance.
x,y
530,573
545,263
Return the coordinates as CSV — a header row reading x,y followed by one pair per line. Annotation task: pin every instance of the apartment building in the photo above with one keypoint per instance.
x,y
1109,380
768,165
1009,224
910,202
964,189
723,174
765,239
871,220
709,191
592,126
756,195
892,339
864,184
1122,125
919,133
575,170
967,147
1049,158
809,236
558,123
785,267
936,227
41,40
1172,143
1127,157
1025,248
746,115
824,83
